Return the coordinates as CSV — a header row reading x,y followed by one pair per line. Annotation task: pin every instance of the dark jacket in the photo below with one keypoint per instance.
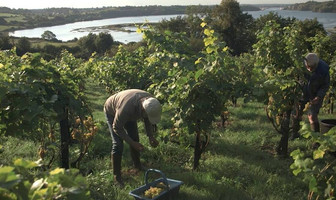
x,y
319,81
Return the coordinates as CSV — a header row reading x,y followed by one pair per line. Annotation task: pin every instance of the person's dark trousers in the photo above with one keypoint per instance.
x,y
116,165
116,154
118,147
132,130
296,128
314,111
315,127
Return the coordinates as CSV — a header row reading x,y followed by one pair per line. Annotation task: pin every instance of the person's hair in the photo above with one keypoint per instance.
x,y
312,60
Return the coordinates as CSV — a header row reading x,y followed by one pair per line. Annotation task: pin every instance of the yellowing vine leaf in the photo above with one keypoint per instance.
x,y
209,50
6,169
208,32
24,56
318,154
225,49
57,171
198,61
24,163
139,30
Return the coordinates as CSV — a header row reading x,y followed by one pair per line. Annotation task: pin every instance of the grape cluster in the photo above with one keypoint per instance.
x,y
153,192
78,133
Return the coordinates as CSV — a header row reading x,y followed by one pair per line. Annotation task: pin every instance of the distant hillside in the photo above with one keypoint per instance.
x,y
249,7
329,6
15,19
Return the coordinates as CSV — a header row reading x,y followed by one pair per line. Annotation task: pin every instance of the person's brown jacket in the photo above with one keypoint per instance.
x,y
127,106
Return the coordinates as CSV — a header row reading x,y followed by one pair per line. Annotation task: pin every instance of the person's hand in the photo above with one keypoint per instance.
x,y
138,146
153,142
316,100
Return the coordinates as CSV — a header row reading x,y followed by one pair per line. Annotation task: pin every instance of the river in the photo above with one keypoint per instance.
x,y
327,19
69,31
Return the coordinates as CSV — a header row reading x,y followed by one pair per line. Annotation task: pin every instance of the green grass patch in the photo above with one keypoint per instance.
x,y
16,18
14,148
3,28
97,96
38,42
239,163
6,15
42,43
9,17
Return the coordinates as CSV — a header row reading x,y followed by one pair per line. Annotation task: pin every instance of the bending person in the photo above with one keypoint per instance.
x,y
122,111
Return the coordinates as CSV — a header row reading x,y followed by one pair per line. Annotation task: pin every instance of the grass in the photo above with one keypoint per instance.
x,y
6,15
3,28
15,18
13,148
39,42
240,162
9,17
96,96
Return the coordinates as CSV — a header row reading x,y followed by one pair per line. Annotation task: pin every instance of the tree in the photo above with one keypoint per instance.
x,y
48,35
310,28
177,24
273,16
50,51
23,46
104,42
88,44
234,27
3,21
5,43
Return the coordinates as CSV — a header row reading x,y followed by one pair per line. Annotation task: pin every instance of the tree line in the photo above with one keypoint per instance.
x,y
14,19
81,48
328,6
24,18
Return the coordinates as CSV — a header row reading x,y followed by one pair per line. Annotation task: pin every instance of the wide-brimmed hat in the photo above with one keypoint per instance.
x,y
153,110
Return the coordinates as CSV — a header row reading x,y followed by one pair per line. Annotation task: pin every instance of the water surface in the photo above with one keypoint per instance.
x,y
68,31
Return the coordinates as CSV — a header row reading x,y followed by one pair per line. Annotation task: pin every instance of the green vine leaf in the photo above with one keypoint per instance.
x,y
297,171
198,74
313,184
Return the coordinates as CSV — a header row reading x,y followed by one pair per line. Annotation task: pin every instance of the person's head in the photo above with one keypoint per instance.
x,y
153,110
311,61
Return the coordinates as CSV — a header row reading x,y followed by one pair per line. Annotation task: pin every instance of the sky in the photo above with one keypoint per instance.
x,y
38,4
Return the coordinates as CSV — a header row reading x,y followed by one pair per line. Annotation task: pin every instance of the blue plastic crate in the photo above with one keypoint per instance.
x,y
173,187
